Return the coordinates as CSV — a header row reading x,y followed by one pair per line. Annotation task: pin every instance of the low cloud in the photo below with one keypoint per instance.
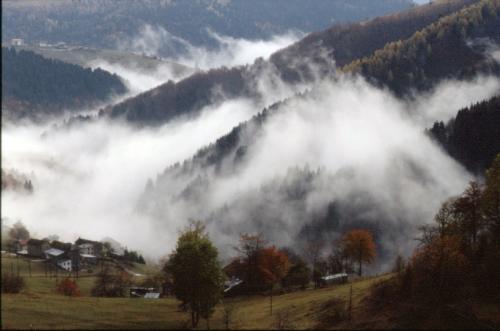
x,y
88,178
374,158
138,79
229,52
367,150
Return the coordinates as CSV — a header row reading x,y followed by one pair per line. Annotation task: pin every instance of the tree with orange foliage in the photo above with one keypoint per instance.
x,y
273,266
359,246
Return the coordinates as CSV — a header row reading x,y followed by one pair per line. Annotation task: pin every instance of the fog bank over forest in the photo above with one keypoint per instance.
x,y
93,192
370,147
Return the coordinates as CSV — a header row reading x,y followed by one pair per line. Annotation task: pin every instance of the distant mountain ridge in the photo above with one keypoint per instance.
x,y
292,64
35,87
441,50
105,23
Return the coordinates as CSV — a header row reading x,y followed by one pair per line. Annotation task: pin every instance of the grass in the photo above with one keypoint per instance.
x,y
52,311
40,307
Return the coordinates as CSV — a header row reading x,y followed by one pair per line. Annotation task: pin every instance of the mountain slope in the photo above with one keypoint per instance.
x,y
441,50
292,65
33,86
106,24
346,43
83,56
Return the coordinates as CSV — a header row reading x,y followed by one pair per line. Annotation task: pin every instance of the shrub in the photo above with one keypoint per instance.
x,y
68,287
12,283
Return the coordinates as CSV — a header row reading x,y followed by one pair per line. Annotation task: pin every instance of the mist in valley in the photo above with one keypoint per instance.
x,y
367,150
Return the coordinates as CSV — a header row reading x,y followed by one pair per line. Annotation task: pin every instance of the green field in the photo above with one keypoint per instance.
x,y
40,307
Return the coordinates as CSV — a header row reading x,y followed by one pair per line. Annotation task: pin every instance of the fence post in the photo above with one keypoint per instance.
x,y
350,305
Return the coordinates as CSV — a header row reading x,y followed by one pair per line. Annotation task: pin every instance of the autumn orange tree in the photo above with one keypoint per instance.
x,y
358,245
273,266
458,255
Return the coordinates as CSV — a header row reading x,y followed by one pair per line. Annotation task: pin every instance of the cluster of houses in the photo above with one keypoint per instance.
x,y
80,255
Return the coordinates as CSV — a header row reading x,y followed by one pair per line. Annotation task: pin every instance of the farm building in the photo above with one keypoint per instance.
x,y
37,247
65,264
90,247
234,286
17,42
53,253
141,292
341,278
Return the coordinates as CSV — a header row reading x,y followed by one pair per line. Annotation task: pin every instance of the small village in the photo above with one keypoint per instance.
x,y
86,257
83,258
81,255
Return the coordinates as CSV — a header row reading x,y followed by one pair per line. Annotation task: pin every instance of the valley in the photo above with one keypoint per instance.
x,y
251,159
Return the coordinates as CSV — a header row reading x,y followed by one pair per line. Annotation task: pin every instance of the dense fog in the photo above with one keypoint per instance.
x,y
88,178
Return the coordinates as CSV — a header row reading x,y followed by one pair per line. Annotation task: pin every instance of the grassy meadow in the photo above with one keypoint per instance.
x,y
38,306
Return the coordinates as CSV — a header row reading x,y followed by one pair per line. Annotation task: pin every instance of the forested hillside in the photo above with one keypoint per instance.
x,y
106,24
448,48
33,85
345,43
293,65
472,137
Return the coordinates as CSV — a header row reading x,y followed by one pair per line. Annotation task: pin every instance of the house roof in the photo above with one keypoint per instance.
x,y
336,276
54,252
60,245
88,256
232,283
152,295
81,241
37,241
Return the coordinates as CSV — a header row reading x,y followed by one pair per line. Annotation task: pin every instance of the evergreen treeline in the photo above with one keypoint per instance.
x,y
102,23
32,83
174,99
346,43
342,43
441,50
133,256
473,136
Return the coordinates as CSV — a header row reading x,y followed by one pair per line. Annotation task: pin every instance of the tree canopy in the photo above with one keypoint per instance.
x,y
197,276
359,246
